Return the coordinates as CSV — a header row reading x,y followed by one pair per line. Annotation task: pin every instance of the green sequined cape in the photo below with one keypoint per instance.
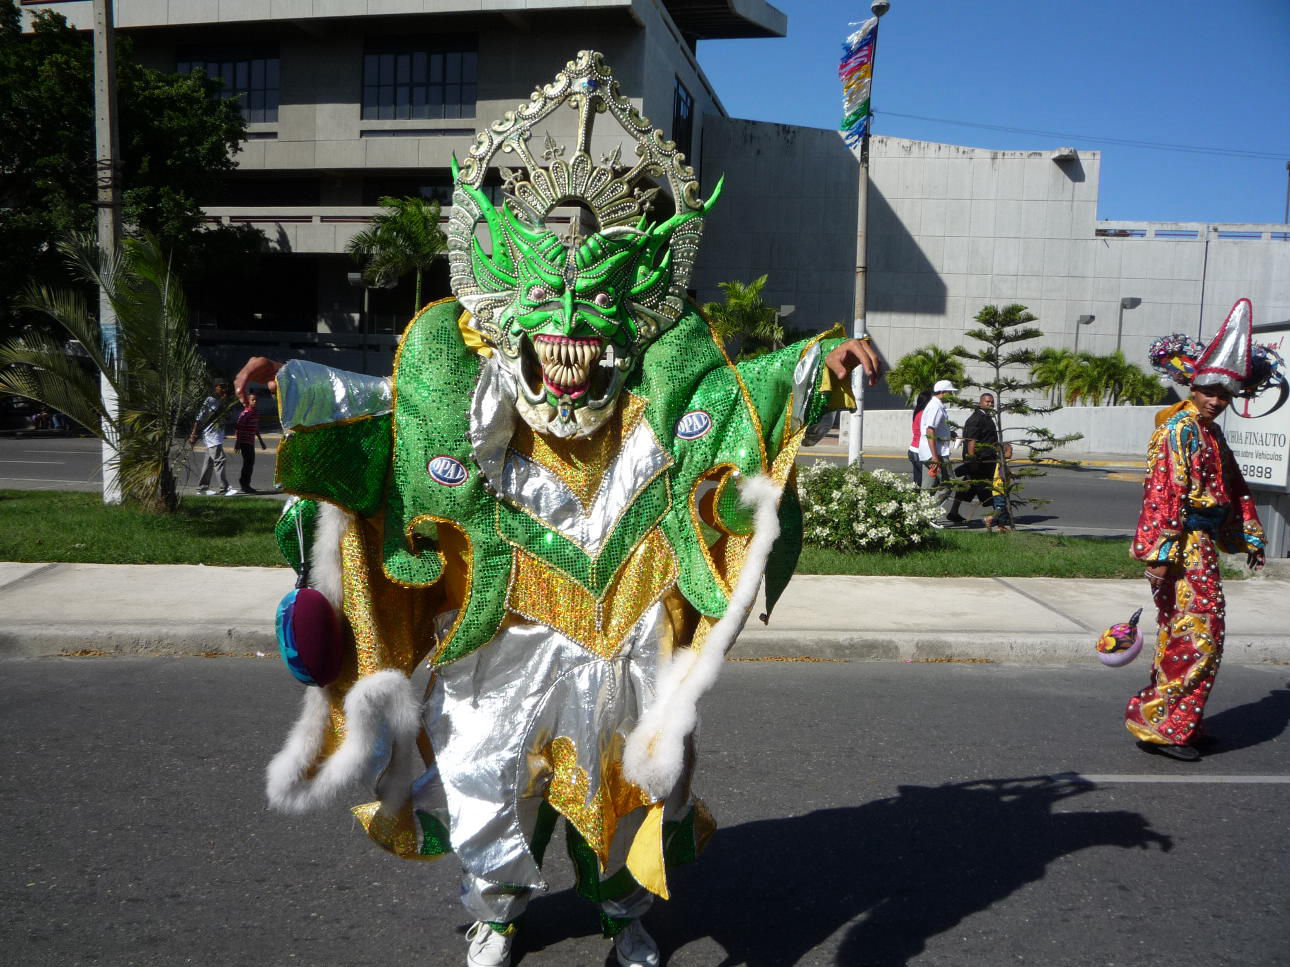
x,y
376,468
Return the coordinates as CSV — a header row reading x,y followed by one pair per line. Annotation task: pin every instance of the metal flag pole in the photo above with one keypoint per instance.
x,y
107,150
855,434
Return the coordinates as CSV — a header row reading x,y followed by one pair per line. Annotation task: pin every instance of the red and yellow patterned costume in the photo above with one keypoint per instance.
x,y
1195,503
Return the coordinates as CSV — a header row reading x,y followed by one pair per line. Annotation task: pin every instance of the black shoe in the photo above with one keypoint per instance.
x,y
956,518
1183,753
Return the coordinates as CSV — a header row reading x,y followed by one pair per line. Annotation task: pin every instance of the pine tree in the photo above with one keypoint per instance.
x,y
1000,332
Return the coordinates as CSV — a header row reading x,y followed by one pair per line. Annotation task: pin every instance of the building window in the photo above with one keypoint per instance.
x,y
250,76
419,79
683,118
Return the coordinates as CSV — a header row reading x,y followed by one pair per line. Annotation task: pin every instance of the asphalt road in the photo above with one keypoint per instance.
x,y
893,814
1089,500
50,462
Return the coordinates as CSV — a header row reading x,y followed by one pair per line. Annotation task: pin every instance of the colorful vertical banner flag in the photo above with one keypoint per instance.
x,y
856,73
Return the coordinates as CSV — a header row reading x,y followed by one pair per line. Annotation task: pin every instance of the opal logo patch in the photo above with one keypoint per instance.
x,y
693,425
448,471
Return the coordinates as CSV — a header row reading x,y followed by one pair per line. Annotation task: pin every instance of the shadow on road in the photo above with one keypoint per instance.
x,y
1251,724
910,866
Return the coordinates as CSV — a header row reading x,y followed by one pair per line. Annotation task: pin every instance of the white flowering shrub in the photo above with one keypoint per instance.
x,y
849,509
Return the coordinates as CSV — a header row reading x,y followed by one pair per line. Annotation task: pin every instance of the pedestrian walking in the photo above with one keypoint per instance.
x,y
980,459
915,461
247,430
209,426
1195,503
934,441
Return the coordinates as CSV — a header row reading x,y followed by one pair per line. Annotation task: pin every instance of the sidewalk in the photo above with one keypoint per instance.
x,y
52,609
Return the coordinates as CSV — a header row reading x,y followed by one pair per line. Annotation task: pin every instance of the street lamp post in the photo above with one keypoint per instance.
x,y
855,431
357,281
1285,219
107,147
1081,321
1127,302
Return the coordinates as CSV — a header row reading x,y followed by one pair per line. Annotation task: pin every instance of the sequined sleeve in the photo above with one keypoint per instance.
x,y
310,394
792,388
1161,523
1242,531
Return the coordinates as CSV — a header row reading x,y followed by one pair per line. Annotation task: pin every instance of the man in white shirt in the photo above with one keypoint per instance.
x,y
209,424
934,444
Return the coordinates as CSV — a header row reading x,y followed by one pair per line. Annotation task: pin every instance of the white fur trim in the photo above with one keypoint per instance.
x,y
324,555
655,751
376,702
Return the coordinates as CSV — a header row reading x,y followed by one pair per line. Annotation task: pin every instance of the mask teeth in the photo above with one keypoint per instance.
x,y
567,362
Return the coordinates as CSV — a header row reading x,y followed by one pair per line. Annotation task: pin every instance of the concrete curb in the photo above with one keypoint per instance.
x,y
1011,648
191,640
219,640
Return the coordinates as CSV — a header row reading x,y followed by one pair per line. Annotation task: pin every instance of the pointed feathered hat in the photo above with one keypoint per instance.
x,y
1231,360
1226,361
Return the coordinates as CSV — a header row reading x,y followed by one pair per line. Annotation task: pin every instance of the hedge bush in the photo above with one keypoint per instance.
x,y
849,509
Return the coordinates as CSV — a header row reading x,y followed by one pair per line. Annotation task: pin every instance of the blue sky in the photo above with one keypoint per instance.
x,y
1179,72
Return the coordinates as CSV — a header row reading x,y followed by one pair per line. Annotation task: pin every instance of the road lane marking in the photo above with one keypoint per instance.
x,y
1183,780
50,463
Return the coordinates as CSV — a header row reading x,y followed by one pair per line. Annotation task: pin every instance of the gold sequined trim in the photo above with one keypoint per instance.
x,y
596,817
541,593
581,462
627,506
723,474
398,834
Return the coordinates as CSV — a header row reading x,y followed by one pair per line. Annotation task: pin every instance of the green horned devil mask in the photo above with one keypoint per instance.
x,y
569,317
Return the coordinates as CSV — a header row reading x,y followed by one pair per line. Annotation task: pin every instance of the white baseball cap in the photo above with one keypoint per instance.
x,y
943,386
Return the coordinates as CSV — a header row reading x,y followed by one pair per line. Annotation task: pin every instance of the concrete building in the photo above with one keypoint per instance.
x,y
954,228
351,100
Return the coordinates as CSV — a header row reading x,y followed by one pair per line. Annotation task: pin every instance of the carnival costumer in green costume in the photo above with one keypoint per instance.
x,y
565,499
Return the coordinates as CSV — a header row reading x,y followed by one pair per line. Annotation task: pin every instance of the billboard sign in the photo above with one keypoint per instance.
x,y
1258,430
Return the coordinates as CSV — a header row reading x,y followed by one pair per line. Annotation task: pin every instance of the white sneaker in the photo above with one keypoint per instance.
x,y
234,492
488,948
206,492
635,947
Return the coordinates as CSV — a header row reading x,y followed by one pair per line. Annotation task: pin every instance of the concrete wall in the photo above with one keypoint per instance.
x,y
1114,430
784,212
952,229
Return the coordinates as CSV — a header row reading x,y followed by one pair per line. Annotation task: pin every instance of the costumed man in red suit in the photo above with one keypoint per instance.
x,y
1195,503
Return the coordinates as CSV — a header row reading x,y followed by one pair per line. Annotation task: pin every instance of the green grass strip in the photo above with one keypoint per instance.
x,y
75,527
953,553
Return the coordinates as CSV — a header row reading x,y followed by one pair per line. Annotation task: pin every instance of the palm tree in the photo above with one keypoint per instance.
x,y
159,378
1141,388
746,319
1110,381
1053,369
404,238
921,369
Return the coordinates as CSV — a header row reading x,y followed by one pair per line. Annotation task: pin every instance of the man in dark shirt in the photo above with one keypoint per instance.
x,y
980,452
